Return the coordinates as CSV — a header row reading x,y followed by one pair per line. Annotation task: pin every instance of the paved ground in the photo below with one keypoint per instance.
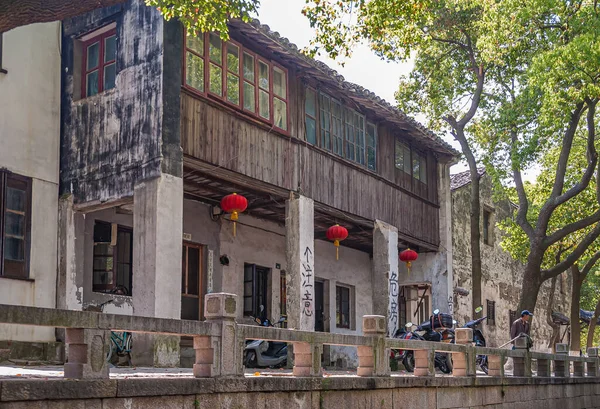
x,y
45,372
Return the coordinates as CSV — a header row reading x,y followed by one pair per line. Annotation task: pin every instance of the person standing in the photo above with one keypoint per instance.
x,y
521,325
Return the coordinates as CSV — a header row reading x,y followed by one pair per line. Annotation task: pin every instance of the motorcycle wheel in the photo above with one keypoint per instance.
x,y
250,359
409,362
484,367
446,366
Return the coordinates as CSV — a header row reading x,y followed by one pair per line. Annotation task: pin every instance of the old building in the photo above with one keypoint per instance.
x,y
501,274
29,165
159,127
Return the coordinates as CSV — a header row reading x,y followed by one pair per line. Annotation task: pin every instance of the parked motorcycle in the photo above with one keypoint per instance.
x,y
264,354
479,340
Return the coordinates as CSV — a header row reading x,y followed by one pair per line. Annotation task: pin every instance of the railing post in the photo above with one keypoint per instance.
x,y
221,310
578,369
496,365
592,363
543,368
205,355
86,353
522,365
307,359
561,363
374,360
424,362
464,363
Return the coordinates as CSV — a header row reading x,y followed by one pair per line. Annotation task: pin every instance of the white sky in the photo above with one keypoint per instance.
x,y
363,68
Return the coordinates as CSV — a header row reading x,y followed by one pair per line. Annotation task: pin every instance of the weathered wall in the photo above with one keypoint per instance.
x,y
115,139
29,146
501,274
304,393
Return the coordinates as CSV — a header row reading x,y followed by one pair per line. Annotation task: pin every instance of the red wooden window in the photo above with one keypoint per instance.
x,y
99,64
15,225
225,70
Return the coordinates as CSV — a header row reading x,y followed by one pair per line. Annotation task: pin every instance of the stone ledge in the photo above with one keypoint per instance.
x,y
39,389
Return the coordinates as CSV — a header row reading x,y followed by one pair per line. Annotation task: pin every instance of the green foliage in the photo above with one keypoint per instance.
x,y
201,16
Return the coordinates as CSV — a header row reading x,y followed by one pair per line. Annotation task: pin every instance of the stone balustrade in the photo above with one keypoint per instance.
x,y
219,344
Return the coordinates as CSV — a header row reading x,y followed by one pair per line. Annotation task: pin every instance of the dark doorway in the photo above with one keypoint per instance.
x,y
319,307
192,285
256,291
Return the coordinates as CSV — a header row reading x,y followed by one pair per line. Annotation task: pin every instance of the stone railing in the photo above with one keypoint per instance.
x,y
219,344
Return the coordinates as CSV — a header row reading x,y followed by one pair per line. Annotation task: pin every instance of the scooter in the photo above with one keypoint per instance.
x,y
264,354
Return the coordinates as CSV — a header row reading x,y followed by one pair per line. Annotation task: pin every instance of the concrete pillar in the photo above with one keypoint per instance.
x,y
463,364
71,250
562,365
591,367
578,369
221,308
157,247
374,360
87,351
543,368
385,274
522,365
300,252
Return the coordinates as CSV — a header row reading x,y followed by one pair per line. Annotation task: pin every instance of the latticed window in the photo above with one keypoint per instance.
x,y
15,225
99,63
491,312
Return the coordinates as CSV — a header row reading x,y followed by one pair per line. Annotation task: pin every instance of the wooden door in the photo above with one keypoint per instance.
x,y
192,282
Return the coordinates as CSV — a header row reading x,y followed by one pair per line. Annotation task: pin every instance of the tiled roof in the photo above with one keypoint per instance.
x,y
463,178
319,70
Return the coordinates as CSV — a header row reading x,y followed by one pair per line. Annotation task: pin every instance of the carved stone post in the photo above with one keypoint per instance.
x,y
522,365
592,363
221,309
87,353
562,367
374,361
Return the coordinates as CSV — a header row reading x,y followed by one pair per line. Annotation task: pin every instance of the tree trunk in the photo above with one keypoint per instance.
x,y
475,238
575,343
532,282
555,327
592,327
16,13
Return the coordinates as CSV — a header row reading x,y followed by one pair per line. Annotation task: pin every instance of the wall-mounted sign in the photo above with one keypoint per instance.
x,y
209,272
187,236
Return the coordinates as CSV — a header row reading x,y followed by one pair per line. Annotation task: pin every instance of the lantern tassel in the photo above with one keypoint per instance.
x,y
234,217
336,243
408,264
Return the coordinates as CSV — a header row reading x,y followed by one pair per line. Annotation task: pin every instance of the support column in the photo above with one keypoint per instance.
x,y
300,251
591,367
562,365
157,235
71,248
374,360
385,274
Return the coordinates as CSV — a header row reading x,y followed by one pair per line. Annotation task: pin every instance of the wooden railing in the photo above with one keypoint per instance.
x,y
219,343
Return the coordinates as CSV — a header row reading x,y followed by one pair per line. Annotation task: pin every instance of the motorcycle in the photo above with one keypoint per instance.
x,y
479,340
264,354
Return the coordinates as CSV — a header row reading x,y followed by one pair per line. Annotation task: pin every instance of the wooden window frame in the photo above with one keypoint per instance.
x,y
422,159
409,150
255,290
412,156
2,70
185,276
339,307
349,112
222,99
491,312
106,288
15,269
308,116
369,147
101,39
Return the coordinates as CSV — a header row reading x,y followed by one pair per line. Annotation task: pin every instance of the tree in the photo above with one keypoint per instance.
x,y
450,76
197,16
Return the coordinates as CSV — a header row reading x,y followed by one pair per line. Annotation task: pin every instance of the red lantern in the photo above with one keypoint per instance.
x,y
337,233
234,204
408,256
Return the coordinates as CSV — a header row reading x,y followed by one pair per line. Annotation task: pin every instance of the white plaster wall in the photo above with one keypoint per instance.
x,y
29,146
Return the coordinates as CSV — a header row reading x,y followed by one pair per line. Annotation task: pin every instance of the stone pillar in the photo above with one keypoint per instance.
x,y
562,365
464,363
300,251
221,309
424,362
307,359
374,360
543,368
578,369
495,365
87,351
157,236
385,274
592,365
522,365
71,249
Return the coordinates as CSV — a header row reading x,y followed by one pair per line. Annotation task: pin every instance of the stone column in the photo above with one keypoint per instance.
x,y
543,368
522,365
71,249
157,247
562,365
221,309
592,365
374,360
300,249
385,274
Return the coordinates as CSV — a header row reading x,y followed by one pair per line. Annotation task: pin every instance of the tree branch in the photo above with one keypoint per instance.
x,y
571,228
574,256
16,13
523,201
590,263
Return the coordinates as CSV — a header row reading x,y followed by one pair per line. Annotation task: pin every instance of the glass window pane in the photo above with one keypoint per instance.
x,y
215,47
15,199
311,130
216,78
280,113
14,224
399,155
263,104
109,76
249,101
233,58
279,83
93,56
249,68
110,48
233,89
423,170
371,159
263,75
406,160
92,84
416,165
194,72
196,44
14,249
309,103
